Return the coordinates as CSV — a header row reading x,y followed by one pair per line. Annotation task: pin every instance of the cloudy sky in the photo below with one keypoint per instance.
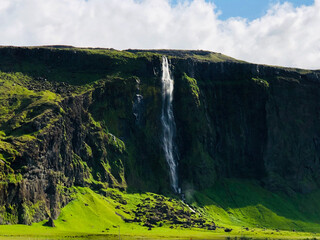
x,y
262,31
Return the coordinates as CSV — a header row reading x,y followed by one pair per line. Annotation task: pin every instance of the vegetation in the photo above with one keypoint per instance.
x,y
109,213
261,82
20,107
73,150
198,55
192,85
246,203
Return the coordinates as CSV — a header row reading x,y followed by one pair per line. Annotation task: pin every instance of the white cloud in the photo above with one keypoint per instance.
x,y
285,36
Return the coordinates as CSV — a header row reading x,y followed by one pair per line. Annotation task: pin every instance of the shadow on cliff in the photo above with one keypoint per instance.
x,y
245,202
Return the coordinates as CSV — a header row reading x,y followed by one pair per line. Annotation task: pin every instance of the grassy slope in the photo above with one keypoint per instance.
x,y
17,100
249,206
237,202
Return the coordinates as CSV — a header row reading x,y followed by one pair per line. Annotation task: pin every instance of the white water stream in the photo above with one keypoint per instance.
x,y
168,124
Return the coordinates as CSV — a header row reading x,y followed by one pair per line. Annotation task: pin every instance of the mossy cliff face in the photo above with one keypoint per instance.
x,y
248,121
91,117
58,147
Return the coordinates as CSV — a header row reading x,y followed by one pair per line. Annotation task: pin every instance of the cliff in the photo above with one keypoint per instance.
x,y
91,117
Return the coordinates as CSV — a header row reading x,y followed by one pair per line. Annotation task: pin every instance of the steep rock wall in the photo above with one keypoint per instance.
x,y
234,119
251,121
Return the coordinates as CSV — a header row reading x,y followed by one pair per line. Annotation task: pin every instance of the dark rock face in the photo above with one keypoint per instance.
x,y
50,223
225,133
233,119
251,122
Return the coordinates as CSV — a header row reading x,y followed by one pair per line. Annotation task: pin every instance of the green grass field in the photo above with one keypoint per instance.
x,y
251,211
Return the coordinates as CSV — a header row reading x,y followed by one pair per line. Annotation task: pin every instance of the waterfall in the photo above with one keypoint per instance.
x,y
168,124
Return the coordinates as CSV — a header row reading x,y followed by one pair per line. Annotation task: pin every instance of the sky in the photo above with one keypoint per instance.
x,y
250,9
274,32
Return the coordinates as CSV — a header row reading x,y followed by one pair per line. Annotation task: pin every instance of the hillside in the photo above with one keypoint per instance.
x,y
85,125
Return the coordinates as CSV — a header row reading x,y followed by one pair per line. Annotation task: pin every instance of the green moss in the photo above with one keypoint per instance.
x,y
93,122
14,178
81,165
8,149
192,84
8,214
116,143
261,82
88,150
29,210
20,106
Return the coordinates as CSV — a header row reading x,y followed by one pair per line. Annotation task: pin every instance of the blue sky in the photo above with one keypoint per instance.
x,y
250,9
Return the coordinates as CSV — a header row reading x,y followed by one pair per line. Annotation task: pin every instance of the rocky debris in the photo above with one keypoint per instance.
x,y
154,219
158,210
115,196
136,220
42,84
123,202
147,224
212,227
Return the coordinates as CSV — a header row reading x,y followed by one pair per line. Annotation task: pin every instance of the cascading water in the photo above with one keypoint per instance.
x,y
168,124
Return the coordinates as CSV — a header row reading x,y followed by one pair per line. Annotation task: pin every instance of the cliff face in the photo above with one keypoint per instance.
x,y
252,122
76,117
56,147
